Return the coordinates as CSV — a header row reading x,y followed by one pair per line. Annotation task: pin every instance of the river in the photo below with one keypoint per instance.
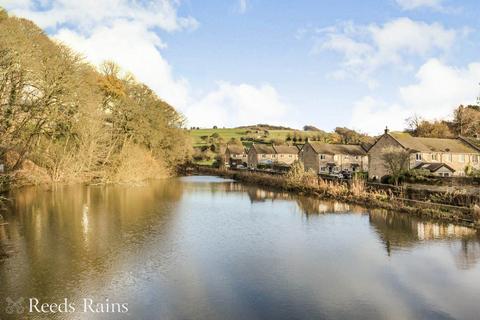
x,y
210,248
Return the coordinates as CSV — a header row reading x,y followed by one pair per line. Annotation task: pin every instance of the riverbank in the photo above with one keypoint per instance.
x,y
355,192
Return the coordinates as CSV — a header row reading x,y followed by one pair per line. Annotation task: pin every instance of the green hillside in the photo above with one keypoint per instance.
x,y
203,137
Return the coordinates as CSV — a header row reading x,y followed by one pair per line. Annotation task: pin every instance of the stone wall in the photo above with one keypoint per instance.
x,y
376,165
310,158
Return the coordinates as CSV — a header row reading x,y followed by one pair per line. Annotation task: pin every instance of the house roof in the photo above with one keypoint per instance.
x,y
286,149
432,144
326,148
236,149
366,146
473,142
433,166
222,149
263,148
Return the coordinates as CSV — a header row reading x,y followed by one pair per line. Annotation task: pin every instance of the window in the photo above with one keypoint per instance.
x,y
449,157
418,157
434,156
475,158
322,157
461,158
357,157
335,157
290,155
281,156
264,155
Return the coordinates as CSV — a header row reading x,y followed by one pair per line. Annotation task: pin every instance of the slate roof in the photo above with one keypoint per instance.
x,y
419,144
433,166
326,148
263,148
236,149
286,149
473,142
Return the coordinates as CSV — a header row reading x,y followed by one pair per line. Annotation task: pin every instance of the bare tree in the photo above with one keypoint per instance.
x,y
396,161
413,123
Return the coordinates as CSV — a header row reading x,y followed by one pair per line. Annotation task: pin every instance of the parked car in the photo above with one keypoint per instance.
x,y
346,174
337,175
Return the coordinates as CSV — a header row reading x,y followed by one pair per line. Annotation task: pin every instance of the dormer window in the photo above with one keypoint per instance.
x,y
418,157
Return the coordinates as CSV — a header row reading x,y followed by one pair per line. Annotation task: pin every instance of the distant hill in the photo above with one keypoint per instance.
x,y
262,126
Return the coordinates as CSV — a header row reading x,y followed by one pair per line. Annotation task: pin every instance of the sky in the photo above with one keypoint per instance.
x,y
360,64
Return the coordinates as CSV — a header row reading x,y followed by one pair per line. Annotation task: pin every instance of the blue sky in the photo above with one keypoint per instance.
x,y
362,64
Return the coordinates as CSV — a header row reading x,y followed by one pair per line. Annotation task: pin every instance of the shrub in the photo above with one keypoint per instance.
x,y
299,178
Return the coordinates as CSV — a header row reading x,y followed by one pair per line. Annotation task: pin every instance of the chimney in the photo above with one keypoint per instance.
x,y
386,130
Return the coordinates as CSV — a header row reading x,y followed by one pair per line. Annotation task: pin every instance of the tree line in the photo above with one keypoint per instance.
x,y
71,121
465,122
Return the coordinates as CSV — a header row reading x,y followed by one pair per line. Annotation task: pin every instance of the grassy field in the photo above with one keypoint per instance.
x,y
227,134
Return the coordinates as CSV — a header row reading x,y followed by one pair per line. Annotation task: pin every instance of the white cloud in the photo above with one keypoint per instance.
x,y
366,48
135,49
124,31
242,6
119,30
233,105
415,4
438,90
86,14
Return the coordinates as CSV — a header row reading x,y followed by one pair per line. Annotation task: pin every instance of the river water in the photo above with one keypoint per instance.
x,y
210,248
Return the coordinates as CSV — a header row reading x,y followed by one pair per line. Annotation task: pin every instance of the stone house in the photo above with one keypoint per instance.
x,y
328,158
286,155
456,153
235,155
436,169
263,154
260,154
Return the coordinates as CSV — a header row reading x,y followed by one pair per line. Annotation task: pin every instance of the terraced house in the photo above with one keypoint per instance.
x,y
328,158
262,154
236,155
442,157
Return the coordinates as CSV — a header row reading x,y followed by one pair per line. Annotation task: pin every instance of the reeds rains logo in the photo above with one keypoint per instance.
x,y
86,305
15,306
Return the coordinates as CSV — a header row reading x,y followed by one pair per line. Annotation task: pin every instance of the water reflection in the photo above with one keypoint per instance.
x,y
209,248
68,234
397,231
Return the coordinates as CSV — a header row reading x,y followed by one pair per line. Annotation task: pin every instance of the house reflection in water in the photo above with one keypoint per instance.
x,y
261,195
310,205
399,231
